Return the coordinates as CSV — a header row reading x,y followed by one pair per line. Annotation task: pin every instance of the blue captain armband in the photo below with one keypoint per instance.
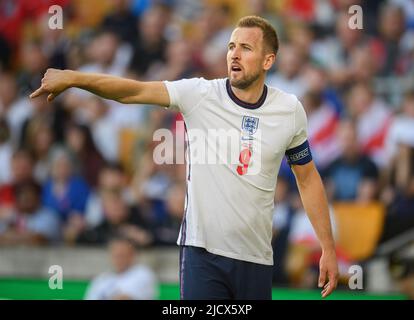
x,y
299,155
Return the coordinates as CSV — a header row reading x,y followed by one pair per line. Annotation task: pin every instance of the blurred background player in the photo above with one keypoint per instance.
x,y
128,280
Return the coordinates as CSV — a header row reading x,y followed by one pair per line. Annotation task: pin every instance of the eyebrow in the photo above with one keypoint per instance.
x,y
242,44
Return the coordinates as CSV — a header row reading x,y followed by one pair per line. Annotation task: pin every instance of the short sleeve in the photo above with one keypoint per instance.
x,y
298,151
300,127
186,94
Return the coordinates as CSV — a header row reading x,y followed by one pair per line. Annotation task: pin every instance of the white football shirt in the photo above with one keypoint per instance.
x,y
138,283
229,204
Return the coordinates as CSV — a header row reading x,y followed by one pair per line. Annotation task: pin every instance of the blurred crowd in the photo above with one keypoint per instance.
x,y
80,170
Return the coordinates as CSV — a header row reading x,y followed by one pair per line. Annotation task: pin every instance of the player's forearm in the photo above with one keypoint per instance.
x,y
122,90
315,203
106,86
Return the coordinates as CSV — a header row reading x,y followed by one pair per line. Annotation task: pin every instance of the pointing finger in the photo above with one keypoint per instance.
x,y
38,92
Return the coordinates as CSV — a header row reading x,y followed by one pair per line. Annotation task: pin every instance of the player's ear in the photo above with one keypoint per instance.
x,y
269,60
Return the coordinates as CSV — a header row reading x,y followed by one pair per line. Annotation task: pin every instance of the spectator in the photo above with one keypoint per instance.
x,y
373,119
121,21
334,52
103,129
388,48
34,63
31,224
203,30
402,128
101,54
39,141
288,76
399,194
111,177
51,114
6,151
119,219
13,108
89,160
150,46
353,176
301,37
54,42
323,121
22,164
167,232
128,280
150,186
64,192
362,67
317,81
178,62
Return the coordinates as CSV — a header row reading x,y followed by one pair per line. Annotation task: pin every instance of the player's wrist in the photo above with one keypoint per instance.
x,y
73,79
328,248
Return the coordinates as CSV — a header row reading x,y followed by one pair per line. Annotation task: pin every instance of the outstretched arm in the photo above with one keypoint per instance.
x,y
109,87
316,206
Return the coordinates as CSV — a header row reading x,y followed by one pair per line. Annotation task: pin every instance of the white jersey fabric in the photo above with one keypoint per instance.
x,y
228,213
138,283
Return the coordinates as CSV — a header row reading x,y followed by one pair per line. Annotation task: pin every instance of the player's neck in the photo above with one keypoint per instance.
x,y
251,94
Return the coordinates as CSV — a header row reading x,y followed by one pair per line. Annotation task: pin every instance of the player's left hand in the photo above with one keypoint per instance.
x,y
328,270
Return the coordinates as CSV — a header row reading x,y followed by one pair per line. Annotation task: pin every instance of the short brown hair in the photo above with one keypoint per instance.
x,y
269,33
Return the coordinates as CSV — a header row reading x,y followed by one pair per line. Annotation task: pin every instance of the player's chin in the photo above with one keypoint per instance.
x,y
235,74
236,79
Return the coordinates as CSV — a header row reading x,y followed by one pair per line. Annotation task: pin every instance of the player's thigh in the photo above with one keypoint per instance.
x,y
200,278
253,281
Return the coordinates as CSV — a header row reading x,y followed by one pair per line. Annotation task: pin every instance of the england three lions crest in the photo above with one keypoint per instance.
x,y
250,124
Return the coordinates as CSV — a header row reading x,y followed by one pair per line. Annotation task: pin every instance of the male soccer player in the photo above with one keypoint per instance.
x,y
226,232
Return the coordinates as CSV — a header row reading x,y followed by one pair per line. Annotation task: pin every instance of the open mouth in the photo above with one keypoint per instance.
x,y
235,68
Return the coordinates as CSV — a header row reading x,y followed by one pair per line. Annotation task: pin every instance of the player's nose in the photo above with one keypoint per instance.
x,y
235,54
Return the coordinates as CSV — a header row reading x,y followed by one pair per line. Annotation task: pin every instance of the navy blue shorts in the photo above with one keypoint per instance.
x,y
207,276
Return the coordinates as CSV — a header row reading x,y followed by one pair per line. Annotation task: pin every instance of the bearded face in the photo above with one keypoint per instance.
x,y
245,57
